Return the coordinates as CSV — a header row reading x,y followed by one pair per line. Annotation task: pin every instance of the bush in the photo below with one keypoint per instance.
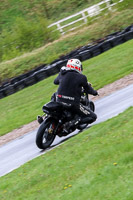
x,y
23,37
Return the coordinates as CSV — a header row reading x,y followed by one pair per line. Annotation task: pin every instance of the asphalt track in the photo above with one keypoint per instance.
x,y
21,150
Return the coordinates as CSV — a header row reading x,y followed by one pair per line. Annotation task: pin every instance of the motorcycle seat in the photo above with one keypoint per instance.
x,y
52,106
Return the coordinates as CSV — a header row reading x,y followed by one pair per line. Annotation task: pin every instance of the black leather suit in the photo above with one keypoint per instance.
x,y
69,93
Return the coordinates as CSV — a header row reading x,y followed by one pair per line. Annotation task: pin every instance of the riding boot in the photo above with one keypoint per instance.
x,y
73,123
88,120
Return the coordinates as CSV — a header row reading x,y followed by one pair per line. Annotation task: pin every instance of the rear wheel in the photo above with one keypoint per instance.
x,y
45,134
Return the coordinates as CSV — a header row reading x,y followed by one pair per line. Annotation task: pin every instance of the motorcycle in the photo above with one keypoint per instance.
x,y
55,115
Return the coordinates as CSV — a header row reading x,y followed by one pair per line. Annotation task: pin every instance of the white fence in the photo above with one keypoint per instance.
x,y
88,12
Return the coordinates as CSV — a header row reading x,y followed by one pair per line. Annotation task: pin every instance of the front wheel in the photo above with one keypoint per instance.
x,y
92,106
45,134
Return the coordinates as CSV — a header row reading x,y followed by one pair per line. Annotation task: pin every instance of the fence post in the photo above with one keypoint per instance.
x,y
84,16
108,5
60,29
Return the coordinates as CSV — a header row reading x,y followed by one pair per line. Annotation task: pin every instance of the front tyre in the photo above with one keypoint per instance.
x,y
92,106
45,134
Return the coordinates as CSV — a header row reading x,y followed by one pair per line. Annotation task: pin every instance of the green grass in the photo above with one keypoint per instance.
x,y
96,164
23,107
23,24
110,66
53,10
102,27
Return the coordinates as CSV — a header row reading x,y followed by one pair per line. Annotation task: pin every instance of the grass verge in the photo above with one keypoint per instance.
x,y
97,165
23,107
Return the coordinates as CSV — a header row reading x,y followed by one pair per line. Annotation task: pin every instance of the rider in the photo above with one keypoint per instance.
x,y
71,81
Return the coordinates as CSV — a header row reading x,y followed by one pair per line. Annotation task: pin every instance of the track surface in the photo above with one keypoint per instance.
x,y
23,149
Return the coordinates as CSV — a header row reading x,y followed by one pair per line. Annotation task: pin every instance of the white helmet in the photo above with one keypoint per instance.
x,y
74,64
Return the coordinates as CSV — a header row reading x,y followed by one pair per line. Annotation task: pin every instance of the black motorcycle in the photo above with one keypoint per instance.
x,y
56,114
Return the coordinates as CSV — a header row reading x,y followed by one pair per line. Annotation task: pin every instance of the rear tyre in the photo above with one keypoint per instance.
x,y
45,134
